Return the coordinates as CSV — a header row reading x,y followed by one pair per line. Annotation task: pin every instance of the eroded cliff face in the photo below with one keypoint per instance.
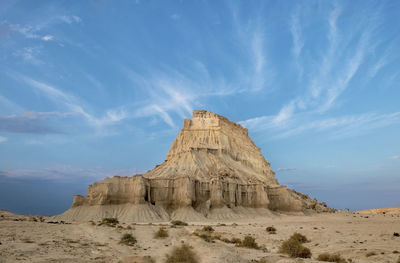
x,y
212,170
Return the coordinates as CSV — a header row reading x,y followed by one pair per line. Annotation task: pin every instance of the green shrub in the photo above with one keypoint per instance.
x,y
249,242
178,223
128,239
331,258
294,247
271,230
182,254
161,233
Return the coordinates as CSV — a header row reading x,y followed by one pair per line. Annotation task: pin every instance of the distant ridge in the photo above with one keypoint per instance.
x,y
381,211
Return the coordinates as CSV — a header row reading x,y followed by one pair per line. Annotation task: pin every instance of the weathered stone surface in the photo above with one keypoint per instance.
x,y
212,170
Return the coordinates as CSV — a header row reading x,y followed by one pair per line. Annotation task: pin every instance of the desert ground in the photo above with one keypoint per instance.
x,y
356,237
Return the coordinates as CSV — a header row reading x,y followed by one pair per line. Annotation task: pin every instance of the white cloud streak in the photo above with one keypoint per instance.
x,y
74,104
396,157
47,37
3,139
70,19
30,55
336,69
295,30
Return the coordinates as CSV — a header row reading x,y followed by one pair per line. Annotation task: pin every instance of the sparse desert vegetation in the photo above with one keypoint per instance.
x,y
249,242
182,254
208,229
109,221
271,230
178,223
294,246
128,239
370,254
327,257
161,233
27,240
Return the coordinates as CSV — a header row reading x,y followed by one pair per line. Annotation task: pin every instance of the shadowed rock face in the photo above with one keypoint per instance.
x,y
213,169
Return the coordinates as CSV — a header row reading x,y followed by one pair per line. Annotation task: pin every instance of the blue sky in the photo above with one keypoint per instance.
x,y
90,89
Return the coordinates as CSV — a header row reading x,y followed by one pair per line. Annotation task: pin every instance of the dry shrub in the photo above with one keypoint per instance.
x,y
271,230
300,238
205,235
249,242
128,239
109,221
161,233
370,254
236,240
208,229
178,223
294,247
331,258
182,254
27,240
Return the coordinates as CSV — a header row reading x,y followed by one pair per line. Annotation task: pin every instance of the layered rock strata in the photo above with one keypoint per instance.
x,y
212,170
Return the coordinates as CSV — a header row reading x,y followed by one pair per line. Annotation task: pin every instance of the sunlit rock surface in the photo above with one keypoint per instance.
x,y
212,170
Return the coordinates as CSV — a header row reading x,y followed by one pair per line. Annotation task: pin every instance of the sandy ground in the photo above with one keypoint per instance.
x,y
353,236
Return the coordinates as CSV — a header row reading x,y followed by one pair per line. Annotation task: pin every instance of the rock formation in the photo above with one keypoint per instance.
x,y
212,170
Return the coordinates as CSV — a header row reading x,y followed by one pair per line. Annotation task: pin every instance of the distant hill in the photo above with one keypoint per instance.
x,y
381,211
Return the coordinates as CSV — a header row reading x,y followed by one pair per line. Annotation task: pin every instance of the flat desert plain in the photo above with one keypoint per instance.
x,y
356,237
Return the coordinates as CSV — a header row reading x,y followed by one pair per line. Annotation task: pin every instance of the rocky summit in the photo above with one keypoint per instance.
x,y
212,170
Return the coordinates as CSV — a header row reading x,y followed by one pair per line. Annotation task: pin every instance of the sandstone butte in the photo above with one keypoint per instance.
x,y
213,170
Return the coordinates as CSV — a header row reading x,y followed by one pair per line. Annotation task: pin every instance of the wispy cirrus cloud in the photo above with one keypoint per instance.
x,y
175,16
336,127
295,30
3,139
30,55
167,93
72,103
336,68
69,19
396,157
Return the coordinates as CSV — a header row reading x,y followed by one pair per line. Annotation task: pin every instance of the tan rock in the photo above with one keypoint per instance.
x,y
212,170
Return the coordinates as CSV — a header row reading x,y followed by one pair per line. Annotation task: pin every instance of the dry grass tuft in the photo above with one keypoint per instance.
x,y
161,233
294,247
128,239
331,258
182,254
